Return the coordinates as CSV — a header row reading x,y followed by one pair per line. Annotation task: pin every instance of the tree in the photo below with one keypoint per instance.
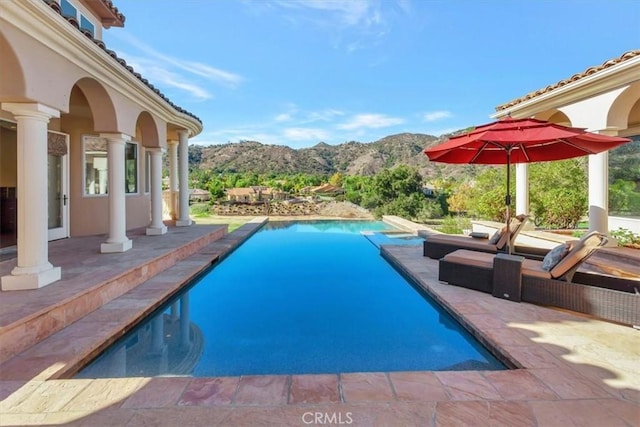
x,y
389,184
488,194
558,192
336,179
459,201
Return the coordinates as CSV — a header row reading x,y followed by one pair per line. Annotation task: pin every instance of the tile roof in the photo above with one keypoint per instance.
x,y
589,71
56,7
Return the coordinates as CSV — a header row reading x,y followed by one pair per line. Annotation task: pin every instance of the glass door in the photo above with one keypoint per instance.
x,y
57,174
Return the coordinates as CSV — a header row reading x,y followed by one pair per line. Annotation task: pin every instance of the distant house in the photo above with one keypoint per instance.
x,y
241,194
198,195
256,193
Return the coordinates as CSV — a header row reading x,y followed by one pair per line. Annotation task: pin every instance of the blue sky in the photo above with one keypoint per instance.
x,y
297,72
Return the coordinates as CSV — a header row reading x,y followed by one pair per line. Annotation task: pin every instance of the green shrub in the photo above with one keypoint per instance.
x,y
200,209
451,225
625,237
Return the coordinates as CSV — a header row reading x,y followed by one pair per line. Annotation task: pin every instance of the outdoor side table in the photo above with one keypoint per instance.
x,y
507,276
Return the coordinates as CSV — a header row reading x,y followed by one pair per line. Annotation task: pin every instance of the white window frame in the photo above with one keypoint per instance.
x,y
84,167
138,145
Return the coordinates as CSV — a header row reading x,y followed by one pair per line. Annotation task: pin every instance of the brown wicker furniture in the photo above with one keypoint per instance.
x,y
436,246
560,287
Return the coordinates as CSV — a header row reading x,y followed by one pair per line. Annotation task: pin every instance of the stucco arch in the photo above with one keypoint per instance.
x,y
626,103
147,130
554,116
12,86
100,103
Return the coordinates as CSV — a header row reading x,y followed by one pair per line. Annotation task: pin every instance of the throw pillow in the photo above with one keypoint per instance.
x,y
554,256
496,236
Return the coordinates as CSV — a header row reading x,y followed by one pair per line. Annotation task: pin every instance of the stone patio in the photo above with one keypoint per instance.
x,y
571,370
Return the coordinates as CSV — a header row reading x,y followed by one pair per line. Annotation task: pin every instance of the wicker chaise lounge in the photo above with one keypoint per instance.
x,y
436,246
557,287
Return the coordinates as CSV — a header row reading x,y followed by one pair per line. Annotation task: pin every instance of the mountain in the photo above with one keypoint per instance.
x,y
352,158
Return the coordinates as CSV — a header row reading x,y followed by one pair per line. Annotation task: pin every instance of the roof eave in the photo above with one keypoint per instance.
x,y
602,81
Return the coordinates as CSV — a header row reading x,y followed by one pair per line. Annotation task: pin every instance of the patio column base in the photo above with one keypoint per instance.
x,y
108,248
183,222
156,231
18,281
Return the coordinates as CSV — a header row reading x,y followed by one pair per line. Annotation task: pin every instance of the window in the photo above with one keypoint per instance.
x,y
85,24
131,167
95,166
68,9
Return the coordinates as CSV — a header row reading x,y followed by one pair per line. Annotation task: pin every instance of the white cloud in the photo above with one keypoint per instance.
x,y
349,12
436,115
352,24
160,68
305,134
324,115
370,121
284,117
159,76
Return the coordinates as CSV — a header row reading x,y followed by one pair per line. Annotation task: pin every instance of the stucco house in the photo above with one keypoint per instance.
x,y
603,99
81,136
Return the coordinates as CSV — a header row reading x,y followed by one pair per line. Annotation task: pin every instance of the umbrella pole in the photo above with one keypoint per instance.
x,y
507,200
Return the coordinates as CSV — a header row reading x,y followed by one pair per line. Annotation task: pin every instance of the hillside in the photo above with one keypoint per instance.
x,y
357,158
353,158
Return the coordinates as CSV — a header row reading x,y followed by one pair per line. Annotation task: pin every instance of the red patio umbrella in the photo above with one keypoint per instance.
x,y
508,141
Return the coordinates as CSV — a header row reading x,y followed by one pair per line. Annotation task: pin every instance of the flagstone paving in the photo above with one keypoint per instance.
x,y
571,370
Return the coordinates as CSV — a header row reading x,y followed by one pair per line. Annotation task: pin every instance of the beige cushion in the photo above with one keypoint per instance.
x,y
514,229
462,241
533,268
475,258
581,250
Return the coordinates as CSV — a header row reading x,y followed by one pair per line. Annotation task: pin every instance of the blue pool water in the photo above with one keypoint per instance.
x,y
296,298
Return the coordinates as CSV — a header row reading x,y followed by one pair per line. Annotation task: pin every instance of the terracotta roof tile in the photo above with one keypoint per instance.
x,y
589,71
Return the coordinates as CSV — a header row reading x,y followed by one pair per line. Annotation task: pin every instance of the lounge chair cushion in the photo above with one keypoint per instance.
x,y
497,236
514,228
462,242
530,267
555,255
467,257
581,250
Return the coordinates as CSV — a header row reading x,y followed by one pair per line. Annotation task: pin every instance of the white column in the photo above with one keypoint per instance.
x,y
33,269
157,227
599,192
117,240
173,179
522,188
185,322
157,335
174,311
183,172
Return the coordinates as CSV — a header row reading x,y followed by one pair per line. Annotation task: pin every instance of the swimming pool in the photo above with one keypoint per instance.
x,y
297,298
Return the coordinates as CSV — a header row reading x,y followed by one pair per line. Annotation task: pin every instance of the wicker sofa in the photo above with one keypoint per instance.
x,y
609,298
